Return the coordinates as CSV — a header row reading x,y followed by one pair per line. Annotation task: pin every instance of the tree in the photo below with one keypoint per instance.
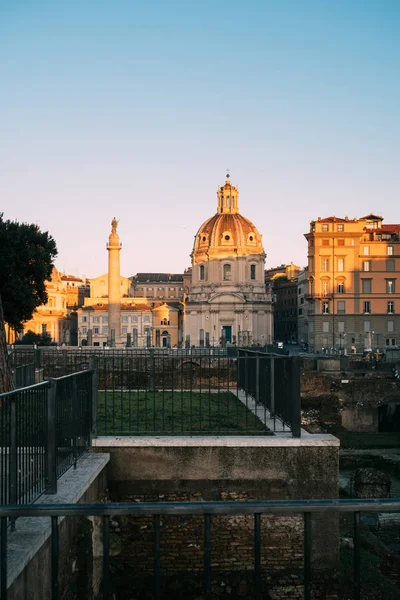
x,y
30,338
26,261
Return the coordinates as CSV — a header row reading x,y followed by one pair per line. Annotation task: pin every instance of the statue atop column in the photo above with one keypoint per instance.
x,y
114,224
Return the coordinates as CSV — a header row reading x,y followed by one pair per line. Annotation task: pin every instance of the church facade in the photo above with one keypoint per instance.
x,y
227,302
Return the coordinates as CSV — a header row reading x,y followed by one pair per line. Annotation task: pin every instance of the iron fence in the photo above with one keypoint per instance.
x,y
44,428
24,375
195,391
209,510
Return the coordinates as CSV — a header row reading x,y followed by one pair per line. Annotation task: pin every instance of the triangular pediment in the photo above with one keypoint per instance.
x,y
226,297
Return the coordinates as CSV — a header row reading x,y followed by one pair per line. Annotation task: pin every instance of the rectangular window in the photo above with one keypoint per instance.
x,y
84,319
325,308
366,286
390,308
325,288
390,286
341,307
125,319
146,318
325,326
325,227
340,264
367,326
390,326
105,330
252,272
96,330
96,319
367,307
366,265
340,242
300,311
366,250
340,227
84,330
390,251
325,265
325,242
134,319
390,265
341,326
105,319
340,287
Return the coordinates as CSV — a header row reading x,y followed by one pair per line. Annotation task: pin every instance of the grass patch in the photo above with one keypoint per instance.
x,y
174,413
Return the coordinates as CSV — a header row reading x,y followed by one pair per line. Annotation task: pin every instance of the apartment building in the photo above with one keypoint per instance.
x,y
353,286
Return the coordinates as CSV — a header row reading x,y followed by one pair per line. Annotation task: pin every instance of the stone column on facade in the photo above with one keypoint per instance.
x,y
114,285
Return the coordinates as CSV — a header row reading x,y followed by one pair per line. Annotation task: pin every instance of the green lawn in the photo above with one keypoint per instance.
x,y
174,413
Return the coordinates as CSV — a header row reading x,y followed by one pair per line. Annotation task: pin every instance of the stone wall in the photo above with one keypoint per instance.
x,y
267,469
348,400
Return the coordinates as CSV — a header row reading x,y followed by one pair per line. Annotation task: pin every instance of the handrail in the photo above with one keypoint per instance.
x,y
25,389
216,508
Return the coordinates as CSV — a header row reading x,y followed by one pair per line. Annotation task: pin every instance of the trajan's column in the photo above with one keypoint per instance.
x,y
114,286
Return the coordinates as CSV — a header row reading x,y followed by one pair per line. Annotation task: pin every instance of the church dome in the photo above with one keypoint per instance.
x,y
227,232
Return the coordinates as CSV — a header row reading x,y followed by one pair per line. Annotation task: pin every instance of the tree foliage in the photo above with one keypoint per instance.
x,y
40,339
26,261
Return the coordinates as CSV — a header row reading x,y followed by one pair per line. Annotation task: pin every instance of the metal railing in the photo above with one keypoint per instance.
x,y
194,391
24,375
208,510
44,428
274,382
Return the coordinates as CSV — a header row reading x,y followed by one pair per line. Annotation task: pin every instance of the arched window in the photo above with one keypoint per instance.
x,y
252,272
51,302
227,272
201,272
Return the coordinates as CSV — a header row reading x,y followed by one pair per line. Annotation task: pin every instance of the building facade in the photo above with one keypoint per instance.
x,y
302,308
227,302
52,317
283,282
353,284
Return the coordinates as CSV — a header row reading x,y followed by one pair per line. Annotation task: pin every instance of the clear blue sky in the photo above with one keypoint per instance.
x,y
135,109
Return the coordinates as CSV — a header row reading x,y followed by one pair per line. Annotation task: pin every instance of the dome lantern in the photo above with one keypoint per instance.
x,y
228,198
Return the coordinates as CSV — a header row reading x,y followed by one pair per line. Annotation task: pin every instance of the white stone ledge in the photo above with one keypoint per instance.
x,y
31,533
268,441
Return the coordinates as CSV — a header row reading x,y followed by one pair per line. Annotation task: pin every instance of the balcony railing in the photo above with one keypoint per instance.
x,y
208,510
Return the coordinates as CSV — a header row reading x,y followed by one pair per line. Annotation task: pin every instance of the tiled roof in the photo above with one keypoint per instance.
x,y
157,277
334,220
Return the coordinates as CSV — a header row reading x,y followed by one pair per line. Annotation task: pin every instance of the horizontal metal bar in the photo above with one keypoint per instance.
x,y
191,508
84,372
35,386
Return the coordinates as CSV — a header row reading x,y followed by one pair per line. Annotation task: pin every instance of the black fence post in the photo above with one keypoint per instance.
x,y
13,454
65,362
36,353
152,371
51,438
257,382
272,385
295,401
75,420
93,366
